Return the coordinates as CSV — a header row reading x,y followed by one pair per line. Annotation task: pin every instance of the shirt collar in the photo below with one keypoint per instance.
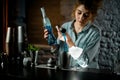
x,y
87,26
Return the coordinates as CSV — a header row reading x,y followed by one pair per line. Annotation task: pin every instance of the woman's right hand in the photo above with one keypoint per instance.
x,y
45,33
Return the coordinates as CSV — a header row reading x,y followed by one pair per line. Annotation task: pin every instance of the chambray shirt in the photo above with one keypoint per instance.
x,y
88,39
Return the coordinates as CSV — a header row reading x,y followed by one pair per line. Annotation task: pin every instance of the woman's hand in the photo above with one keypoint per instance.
x,y
68,38
45,33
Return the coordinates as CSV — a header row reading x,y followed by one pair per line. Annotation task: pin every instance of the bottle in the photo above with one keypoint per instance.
x,y
47,25
65,55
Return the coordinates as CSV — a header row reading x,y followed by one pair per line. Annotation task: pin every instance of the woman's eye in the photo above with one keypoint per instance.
x,y
79,12
86,15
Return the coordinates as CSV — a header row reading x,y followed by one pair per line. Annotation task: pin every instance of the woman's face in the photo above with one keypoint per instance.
x,y
82,15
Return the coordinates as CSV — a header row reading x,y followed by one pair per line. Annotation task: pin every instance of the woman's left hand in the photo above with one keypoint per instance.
x,y
68,38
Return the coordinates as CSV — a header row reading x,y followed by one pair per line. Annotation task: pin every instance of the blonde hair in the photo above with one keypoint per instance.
x,y
90,5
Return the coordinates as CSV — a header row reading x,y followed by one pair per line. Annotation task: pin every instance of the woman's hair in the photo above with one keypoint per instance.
x,y
90,5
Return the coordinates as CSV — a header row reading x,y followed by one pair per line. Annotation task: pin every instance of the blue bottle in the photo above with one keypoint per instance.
x,y
47,25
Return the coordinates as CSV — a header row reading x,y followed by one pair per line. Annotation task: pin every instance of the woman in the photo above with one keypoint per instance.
x,y
82,37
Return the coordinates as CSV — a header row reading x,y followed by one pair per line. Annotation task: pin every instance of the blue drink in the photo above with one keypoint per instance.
x,y
47,25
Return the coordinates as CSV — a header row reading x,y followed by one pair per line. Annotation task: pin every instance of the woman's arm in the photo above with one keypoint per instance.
x,y
85,56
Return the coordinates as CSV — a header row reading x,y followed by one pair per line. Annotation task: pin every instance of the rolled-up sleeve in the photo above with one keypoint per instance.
x,y
90,51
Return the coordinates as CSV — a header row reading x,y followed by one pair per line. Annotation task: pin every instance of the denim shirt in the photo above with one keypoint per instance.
x,y
89,40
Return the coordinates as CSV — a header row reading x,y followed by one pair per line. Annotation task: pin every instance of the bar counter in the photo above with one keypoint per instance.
x,y
44,73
